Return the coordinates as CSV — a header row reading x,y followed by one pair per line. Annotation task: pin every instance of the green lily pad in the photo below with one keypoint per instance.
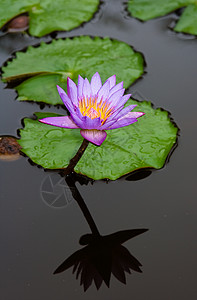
x,y
149,9
47,16
143,144
50,64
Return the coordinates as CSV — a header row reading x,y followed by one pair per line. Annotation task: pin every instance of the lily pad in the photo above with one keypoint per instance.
x,y
149,9
48,16
42,68
143,144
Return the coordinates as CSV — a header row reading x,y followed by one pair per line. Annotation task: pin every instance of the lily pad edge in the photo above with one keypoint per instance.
x,y
172,24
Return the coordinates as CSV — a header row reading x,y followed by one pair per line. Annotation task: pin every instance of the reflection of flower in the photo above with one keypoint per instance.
x,y
102,256
94,108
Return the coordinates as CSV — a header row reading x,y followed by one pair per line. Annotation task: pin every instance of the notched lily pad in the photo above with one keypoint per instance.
x,y
48,16
144,144
42,68
146,10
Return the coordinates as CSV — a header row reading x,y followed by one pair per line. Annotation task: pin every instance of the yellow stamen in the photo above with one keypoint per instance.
x,y
91,108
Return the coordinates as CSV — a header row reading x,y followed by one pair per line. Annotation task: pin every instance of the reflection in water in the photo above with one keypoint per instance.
x,y
102,255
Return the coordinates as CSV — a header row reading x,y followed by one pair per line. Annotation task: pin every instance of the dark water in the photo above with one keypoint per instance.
x,y
36,236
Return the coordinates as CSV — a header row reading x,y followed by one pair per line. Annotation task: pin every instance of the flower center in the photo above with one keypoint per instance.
x,y
91,108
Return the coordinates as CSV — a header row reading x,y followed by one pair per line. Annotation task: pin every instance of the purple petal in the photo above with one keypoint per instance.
x,y
96,137
77,118
66,100
80,87
120,106
65,122
89,123
128,119
123,100
96,83
134,114
104,92
111,120
125,110
118,111
116,97
122,123
87,91
116,88
107,124
117,114
114,114
72,91
112,81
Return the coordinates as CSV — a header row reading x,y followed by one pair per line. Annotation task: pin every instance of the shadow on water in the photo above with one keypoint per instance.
x,y
102,255
139,174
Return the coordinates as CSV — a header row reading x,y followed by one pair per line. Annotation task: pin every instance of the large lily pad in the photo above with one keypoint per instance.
x,y
149,9
47,16
143,144
50,64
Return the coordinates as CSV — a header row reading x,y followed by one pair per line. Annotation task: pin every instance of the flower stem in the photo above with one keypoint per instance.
x,y
78,198
76,158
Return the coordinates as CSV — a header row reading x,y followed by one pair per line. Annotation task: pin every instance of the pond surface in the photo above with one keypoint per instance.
x,y
38,234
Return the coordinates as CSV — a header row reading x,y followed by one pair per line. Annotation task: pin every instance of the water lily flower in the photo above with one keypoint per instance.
x,y
94,108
